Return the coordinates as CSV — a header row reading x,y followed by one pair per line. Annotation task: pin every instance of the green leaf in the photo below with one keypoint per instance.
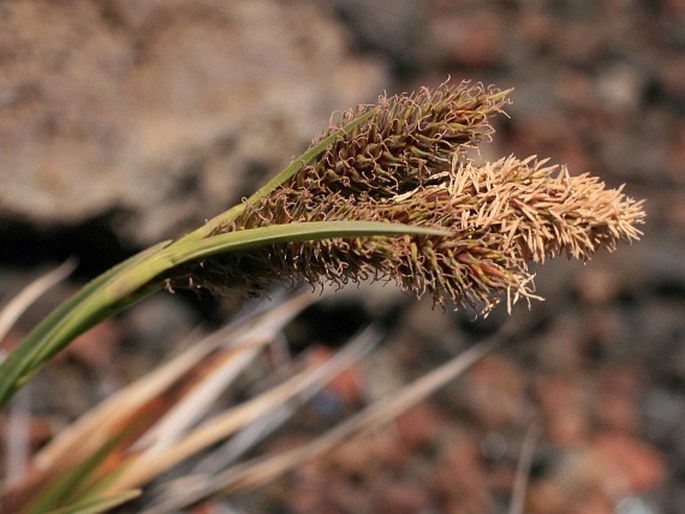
x,y
185,251
135,279
13,370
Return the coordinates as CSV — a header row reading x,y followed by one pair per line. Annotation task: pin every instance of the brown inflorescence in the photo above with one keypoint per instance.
x,y
406,164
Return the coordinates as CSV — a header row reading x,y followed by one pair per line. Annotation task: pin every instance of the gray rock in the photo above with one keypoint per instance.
x,y
169,111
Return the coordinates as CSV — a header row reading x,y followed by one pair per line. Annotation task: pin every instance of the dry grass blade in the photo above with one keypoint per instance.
x,y
292,393
523,470
249,436
119,406
19,415
151,464
254,473
251,475
138,409
17,443
16,307
225,367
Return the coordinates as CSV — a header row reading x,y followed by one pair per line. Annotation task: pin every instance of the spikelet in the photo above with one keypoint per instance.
x,y
406,164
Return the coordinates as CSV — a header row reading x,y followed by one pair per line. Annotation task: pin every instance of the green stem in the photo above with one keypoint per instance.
x,y
140,276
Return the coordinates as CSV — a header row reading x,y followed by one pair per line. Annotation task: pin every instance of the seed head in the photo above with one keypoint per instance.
x,y
406,164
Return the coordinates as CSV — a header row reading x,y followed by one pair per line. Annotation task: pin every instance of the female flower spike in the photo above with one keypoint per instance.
x,y
407,164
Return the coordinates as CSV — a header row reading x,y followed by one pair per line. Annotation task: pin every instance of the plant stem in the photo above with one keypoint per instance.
x,y
145,273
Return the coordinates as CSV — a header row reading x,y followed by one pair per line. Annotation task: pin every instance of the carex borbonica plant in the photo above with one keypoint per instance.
x,y
408,163
390,191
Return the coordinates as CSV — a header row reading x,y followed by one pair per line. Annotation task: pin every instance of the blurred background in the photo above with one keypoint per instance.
x,y
123,123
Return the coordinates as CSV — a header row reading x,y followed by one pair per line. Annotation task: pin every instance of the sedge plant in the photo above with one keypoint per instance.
x,y
389,191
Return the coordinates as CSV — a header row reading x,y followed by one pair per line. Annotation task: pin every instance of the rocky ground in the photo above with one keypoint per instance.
x,y
123,123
